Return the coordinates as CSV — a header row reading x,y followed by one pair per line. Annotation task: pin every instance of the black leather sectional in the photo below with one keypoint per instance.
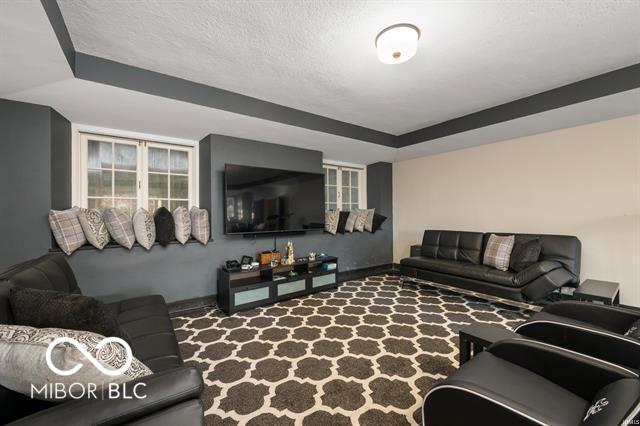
x,y
172,391
455,258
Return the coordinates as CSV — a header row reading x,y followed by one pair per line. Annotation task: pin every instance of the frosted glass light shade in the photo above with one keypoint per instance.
x,y
397,43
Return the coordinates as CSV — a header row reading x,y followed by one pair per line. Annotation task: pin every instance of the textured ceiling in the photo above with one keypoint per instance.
x,y
318,56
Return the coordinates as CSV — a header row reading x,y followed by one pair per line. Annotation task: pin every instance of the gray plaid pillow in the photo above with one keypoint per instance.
x,y
94,227
498,251
200,226
144,228
120,227
331,221
66,229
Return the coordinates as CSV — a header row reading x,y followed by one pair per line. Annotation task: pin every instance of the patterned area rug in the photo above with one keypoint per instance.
x,y
364,354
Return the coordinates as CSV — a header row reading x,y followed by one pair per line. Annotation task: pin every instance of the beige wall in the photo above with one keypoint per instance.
x,y
582,181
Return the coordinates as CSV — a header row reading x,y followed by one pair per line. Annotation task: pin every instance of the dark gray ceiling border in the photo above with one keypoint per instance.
x,y
100,70
113,73
60,29
610,83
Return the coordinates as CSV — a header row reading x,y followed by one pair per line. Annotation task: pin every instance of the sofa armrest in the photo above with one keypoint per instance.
x,y
162,390
536,270
608,317
415,250
578,373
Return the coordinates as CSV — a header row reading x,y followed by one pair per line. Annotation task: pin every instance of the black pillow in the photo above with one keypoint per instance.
x,y
524,254
377,221
165,226
342,222
634,330
55,309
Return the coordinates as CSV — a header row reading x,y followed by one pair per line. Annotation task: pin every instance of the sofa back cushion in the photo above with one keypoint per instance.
x,y
49,272
453,245
565,249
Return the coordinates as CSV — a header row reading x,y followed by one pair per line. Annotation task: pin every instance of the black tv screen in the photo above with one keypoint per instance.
x,y
261,200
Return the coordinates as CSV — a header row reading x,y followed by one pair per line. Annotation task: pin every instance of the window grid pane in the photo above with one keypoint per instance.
x,y
112,176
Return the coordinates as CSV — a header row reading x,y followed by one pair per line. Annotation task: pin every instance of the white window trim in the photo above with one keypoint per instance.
x,y
79,160
362,180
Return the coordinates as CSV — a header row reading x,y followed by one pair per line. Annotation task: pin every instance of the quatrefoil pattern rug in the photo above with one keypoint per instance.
x,y
363,354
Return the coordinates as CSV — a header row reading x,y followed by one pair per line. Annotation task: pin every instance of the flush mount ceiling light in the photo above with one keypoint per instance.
x,y
398,43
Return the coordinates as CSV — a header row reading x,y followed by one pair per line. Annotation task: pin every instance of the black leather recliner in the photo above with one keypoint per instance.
x,y
172,392
588,328
522,382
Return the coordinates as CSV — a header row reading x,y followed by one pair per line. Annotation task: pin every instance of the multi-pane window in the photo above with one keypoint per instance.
x,y
343,188
128,174
168,176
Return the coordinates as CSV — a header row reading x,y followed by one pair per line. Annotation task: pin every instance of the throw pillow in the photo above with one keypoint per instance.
x,y
360,220
351,220
94,227
120,227
24,363
498,251
634,330
200,225
378,219
524,254
66,229
342,222
48,308
165,226
331,221
368,222
144,228
183,224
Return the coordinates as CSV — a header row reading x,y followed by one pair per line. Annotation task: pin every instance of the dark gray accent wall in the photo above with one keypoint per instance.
x,y
33,141
185,272
60,161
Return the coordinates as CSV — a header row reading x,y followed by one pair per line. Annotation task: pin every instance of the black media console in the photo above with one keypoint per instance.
x,y
241,290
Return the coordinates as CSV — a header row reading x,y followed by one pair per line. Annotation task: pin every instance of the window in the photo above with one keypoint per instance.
x,y
344,187
128,174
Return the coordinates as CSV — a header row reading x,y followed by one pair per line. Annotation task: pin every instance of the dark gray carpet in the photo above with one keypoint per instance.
x,y
365,353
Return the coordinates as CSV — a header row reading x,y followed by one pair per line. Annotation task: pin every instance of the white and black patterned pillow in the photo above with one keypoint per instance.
x,y
23,358
183,224
200,226
94,227
498,251
331,221
120,227
144,228
66,229
368,221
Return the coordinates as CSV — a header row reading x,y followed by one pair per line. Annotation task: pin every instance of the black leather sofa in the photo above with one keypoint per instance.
x,y
589,328
172,392
455,258
522,382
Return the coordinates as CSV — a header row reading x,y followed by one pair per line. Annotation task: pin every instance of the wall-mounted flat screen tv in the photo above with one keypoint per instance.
x,y
262,200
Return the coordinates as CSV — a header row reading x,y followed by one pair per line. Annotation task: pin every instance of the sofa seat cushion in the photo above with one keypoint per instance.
x,y
510,384
461,269
153,341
